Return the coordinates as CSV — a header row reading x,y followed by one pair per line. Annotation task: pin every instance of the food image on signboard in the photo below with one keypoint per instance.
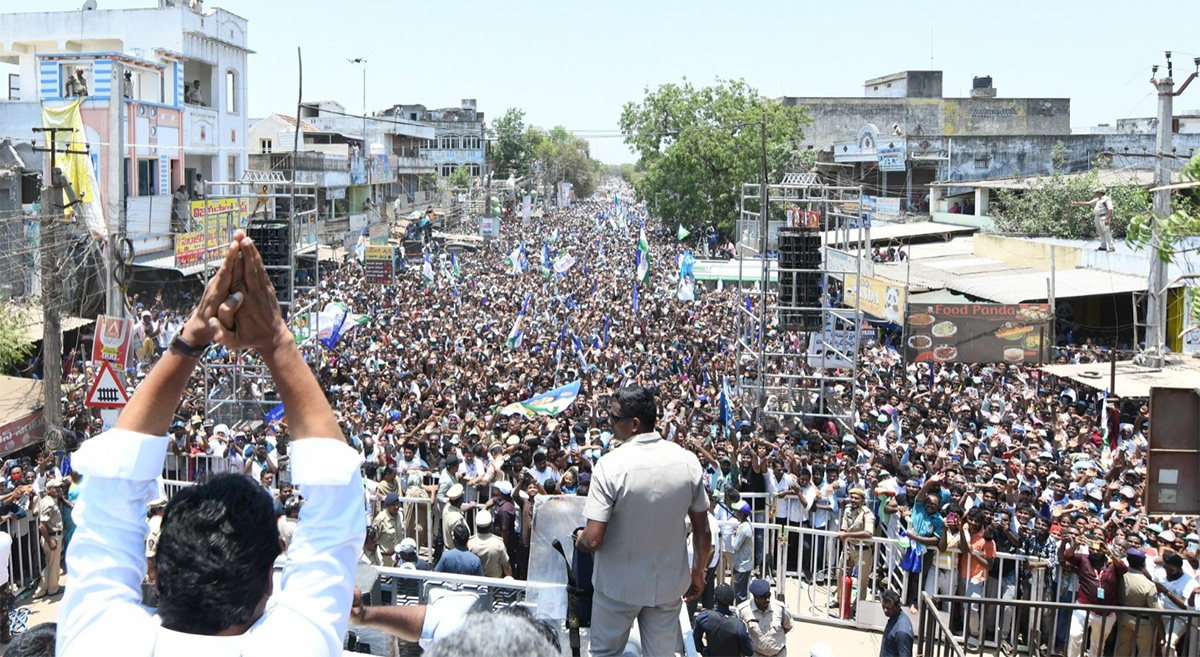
x,y
945,352
1014,355
943,329
920,319
1034,314
920,342
1012,331
1033,342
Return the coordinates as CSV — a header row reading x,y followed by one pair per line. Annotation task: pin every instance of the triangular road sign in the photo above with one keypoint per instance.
x,y
107,391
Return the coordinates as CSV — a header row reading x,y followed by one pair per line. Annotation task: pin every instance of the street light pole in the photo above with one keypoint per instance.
x,y
366,141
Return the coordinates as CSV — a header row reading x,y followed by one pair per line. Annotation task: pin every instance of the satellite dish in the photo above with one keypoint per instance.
x,y
89,5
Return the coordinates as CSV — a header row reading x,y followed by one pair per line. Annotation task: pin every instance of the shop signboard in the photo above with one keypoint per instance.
x,y
111,343
379,265
875,296
977,332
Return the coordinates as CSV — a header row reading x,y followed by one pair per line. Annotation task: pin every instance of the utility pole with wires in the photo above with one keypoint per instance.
x,y
1158,299
53,224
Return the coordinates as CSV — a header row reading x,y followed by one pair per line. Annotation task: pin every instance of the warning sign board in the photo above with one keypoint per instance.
x,y
106,391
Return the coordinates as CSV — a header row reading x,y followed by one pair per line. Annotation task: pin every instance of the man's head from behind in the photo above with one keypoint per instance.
x,y
215,554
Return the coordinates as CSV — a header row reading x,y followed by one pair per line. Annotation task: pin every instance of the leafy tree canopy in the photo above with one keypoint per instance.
x,y
512,146
1045,208
15,346
562,156
698,145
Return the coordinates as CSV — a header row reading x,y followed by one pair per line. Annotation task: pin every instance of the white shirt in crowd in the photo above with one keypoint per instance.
x,y
306,615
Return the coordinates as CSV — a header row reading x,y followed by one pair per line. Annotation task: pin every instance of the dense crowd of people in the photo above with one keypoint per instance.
x,y
991,481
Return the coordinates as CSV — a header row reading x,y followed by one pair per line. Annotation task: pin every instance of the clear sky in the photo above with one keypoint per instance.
x,y
577,63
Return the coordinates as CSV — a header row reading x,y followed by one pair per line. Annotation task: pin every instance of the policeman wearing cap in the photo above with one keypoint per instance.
x,y
767,621
1102,211
387,527
1135,632
452,516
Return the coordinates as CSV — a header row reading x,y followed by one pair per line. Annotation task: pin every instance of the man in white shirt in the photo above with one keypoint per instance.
x,y
224,603
1175,589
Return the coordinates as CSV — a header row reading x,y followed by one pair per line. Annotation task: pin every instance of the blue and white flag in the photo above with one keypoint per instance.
x,y
427,271
643,258
546,254
360,247
517,334
579,352
328,340
454,265
725,406
563,263
687,263
547,403
275,414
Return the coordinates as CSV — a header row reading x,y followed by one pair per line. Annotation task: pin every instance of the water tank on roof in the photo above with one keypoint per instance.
x,y
981,82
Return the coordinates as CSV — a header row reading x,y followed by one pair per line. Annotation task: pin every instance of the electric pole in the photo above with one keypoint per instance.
x,y
114,294
1156,305
53,224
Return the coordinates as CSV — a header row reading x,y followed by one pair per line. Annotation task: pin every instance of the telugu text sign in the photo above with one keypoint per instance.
x,y
379,265
977,332
111,342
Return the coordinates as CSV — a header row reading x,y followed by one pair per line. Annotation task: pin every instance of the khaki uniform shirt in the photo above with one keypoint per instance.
x,y
643,490
768,629
1139,592
451,516
490,550
384,487
387,526
857,520
49,512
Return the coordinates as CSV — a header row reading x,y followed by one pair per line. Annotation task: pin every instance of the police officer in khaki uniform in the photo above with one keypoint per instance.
x,y
858,526
767,621
50,526
387,528
1138,590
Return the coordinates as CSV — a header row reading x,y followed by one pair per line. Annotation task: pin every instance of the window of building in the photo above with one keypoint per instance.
x,y
147,178
234,174
475,170
471,143
412,116
69,75
982,161
231,91
14,86
448,169
264,145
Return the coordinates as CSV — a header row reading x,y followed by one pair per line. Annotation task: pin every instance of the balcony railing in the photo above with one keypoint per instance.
x,y
304,161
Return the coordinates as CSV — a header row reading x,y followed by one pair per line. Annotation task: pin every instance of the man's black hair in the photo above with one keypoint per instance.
x,y
460,534
891,596
37,641
638,402
215,554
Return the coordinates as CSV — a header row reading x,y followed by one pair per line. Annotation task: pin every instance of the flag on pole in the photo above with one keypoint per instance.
x,y
518,330
725,412
275,414
335,332
547,403
682,233
454,265
607,324
427,271
643,261
563,263
546,254
513,262
687,264
360,247
579,352
687,289
1104,434
635,298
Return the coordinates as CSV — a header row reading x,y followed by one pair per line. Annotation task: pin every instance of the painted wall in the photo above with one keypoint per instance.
x,y
1025,252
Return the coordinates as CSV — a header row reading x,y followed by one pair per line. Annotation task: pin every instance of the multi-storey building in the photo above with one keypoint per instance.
x,y
460,139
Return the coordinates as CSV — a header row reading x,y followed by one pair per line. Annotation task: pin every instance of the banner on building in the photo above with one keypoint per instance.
x,y
214,222
835,347
489,226
379,265
875,296
112,341
977,332
797,218
843,261
22,433
891,158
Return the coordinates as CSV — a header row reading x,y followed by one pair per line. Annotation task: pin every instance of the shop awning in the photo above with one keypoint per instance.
x,y
1028,285
1132,380
21,421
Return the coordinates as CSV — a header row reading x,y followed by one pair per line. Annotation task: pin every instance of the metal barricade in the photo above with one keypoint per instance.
x,y
26,561
194,467
956,625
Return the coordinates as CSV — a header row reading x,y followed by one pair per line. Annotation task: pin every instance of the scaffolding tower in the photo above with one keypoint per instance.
x,y
281,217
798,376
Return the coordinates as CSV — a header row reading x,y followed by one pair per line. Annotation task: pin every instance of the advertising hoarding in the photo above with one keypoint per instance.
x,y
977,332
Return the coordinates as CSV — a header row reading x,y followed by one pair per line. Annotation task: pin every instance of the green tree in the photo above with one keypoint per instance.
x,y
562,156
512,150
698,145
1059,158
15,346
461,177
1176,229
1044,209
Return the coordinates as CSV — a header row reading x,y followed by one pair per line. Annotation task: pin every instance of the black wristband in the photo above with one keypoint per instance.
x,y
184,348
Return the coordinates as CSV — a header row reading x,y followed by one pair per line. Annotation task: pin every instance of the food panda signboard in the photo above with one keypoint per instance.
x,y
977,332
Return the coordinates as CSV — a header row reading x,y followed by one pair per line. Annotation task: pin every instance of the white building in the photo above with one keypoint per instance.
x,y
461,135
170,134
